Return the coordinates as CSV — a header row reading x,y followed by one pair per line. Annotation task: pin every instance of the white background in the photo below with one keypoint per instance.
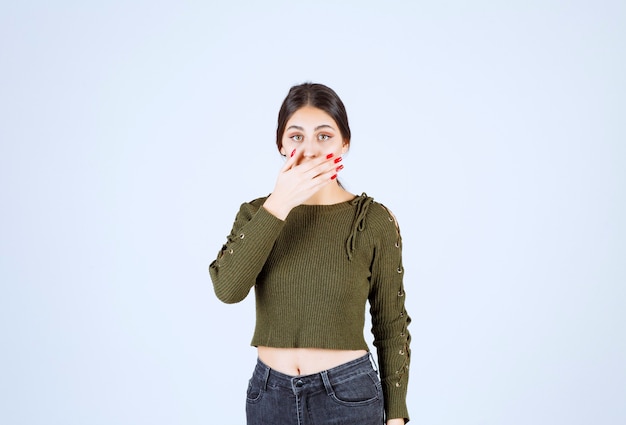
x,y
131,132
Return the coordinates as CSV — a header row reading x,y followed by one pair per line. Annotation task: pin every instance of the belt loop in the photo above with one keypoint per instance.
x,y
373,361
329,388
266,377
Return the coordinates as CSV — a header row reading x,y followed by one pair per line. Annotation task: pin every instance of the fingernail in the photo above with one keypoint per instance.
x,y
293,152
339,168
330,155
337,160
333,177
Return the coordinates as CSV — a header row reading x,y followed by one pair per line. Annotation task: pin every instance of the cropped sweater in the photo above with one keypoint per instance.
x,y
313,273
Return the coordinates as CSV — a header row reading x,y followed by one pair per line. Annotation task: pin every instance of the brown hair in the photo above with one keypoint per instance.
x,y
316,95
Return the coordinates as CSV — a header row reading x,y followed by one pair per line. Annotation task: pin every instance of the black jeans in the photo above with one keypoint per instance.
x,y
349,394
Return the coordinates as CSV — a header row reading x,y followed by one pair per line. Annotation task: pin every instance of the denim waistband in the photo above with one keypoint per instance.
x,y
272,378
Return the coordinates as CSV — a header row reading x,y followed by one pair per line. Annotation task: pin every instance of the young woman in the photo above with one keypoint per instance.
x,y
315,254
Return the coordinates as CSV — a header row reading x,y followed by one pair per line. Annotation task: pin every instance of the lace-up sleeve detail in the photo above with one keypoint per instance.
x,y
362,204
247,247
390,320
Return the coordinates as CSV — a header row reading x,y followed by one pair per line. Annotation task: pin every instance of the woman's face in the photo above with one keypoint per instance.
x,y
313,131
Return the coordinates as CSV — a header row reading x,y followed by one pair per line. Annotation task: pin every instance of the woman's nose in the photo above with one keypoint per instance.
x,y
310,150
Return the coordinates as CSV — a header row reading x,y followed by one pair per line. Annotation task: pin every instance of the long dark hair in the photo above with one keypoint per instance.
x,y
318,96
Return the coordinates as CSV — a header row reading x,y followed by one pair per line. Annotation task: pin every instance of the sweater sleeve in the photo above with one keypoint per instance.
x,y
389,317
246,250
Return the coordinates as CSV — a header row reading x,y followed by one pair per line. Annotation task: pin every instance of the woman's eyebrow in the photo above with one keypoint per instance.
x,y
319,127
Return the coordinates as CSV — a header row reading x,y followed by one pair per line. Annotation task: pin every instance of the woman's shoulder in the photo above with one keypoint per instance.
x,y
249,208
375,218
376,210
257,202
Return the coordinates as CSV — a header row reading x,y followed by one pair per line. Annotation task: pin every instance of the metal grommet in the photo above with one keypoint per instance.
x,y
230,251
400,293
401,352
399,268
402,314
242,236
402,334
397,244
397,384
390,218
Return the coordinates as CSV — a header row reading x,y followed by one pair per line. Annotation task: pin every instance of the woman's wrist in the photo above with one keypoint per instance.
x,y
277,209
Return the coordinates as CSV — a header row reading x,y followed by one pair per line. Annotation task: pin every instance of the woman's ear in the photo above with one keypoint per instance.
x,y
345,147
282,151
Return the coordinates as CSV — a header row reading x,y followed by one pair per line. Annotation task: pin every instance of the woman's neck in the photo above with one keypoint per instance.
x,y
330,194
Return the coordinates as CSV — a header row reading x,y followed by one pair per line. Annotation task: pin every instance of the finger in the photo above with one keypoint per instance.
x,y
327,175
316,166
330,163
324,179
291,160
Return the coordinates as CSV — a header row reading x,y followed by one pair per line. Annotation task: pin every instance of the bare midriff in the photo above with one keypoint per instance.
x,y
305,361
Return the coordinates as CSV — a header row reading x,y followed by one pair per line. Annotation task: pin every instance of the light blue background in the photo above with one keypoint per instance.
x,y
131,132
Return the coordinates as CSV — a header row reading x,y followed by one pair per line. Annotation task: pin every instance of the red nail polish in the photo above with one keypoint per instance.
x,y
333,177
293,152
339,168
337,160
330,155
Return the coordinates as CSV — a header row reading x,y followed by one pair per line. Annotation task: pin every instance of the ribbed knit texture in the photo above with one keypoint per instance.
x,y
313,274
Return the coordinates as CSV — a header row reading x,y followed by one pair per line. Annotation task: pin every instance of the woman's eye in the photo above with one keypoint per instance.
x,y
296,138
323,137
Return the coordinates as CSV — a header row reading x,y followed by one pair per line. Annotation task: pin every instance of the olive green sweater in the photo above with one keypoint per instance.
x,y
313,274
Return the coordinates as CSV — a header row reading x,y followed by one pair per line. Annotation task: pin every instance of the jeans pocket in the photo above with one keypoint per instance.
x,y
255,391
357,390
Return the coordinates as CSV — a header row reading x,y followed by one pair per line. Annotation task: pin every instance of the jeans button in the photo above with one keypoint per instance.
x,y
299,383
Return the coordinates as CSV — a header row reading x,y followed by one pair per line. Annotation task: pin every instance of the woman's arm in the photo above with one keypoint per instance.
x,y
256,228
242,257
389,317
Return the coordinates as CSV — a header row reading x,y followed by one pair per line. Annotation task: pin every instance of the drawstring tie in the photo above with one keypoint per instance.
x,y
362,204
